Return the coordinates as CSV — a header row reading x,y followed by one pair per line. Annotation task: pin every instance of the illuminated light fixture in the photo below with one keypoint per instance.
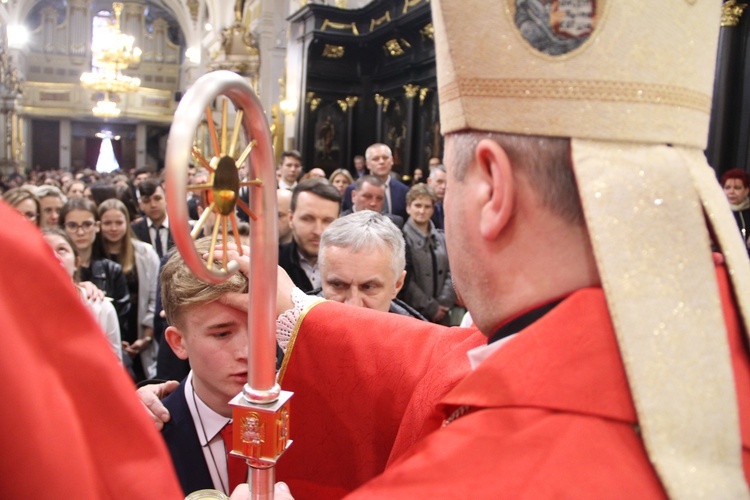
x,y
288,106
111,54
18,35
208,27
106,109
108,82
193,55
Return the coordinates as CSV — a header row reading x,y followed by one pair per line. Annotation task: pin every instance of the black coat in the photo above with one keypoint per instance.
x,y
181,437
289,261
108,277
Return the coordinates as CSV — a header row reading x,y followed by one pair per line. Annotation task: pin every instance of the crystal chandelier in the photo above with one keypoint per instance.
x,y
112,53
106,109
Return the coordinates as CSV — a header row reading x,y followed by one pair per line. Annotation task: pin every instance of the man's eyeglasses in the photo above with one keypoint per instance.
x,y
87,226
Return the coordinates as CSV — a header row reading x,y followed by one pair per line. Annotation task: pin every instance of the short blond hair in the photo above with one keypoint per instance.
x,y
181,290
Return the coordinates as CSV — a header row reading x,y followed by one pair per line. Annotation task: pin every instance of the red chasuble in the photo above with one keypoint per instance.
x,y
355,373
548,415
71,424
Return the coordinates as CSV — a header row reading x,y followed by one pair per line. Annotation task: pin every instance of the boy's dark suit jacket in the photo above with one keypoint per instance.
x,y
140,229
181,437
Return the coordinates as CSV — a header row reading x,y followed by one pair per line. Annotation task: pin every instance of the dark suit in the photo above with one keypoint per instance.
x,y
398,198
399,221
181,438
140,229
289,260
438,216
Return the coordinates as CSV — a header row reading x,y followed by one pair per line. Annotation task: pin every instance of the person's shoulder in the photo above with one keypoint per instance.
x,y
399,184
398,306
138,223
145,250
175,400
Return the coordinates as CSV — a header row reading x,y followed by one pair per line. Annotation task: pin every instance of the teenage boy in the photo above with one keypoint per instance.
x,y
214,338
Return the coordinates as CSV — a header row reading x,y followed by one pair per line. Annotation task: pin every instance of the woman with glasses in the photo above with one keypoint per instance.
x,y
140,264
79,219
25,201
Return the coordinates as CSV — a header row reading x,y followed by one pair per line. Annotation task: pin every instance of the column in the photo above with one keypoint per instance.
x,y
66,137
411,92
140,145
722,136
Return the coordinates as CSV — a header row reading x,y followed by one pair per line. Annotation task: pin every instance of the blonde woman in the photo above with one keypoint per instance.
x,y
340,179
140,265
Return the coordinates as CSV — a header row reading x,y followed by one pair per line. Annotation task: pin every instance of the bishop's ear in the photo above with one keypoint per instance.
x,y
496,176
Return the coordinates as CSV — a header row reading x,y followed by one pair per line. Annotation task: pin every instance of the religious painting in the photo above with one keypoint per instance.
x,y
555,27
330,134
430,138
394,131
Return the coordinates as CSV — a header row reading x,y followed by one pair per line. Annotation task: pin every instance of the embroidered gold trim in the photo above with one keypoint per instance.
x,y
293,339
584,90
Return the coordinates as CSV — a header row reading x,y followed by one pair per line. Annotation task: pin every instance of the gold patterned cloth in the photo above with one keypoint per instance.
x,y
630,83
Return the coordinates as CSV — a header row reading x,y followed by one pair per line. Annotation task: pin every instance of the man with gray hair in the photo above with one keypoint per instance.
x,y
362,259
369,194
51,200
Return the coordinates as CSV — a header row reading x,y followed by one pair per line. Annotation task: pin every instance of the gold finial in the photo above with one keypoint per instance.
x,y
378,99
411,90
333,51
731,12
351,101
423,95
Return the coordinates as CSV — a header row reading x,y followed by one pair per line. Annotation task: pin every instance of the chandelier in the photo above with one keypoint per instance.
x,y
106,109
111,54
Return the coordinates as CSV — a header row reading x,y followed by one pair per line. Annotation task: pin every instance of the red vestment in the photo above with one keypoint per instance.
x,y
71,423
549,414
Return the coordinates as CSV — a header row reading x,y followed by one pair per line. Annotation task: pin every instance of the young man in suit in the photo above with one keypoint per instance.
x,y
314,205
154,227
214,338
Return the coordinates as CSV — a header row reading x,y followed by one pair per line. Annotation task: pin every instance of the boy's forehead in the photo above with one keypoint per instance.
x,y
210,315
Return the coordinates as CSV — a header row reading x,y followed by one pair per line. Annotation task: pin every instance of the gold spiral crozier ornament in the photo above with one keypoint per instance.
x,y
260,413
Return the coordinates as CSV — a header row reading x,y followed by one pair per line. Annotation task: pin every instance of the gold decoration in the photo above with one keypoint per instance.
x,y
341,4
386,103
381,20
314,103
192,6
731,11
395,49
333,51
343,104
378,99
411,90
408,4
238,52
309,97
428,32
351,101
340,26
422,95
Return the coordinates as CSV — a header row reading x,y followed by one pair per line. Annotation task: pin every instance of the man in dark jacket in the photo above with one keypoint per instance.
x,y
315,204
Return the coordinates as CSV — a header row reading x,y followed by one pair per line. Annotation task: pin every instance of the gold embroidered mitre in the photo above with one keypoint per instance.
x,y
586,70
